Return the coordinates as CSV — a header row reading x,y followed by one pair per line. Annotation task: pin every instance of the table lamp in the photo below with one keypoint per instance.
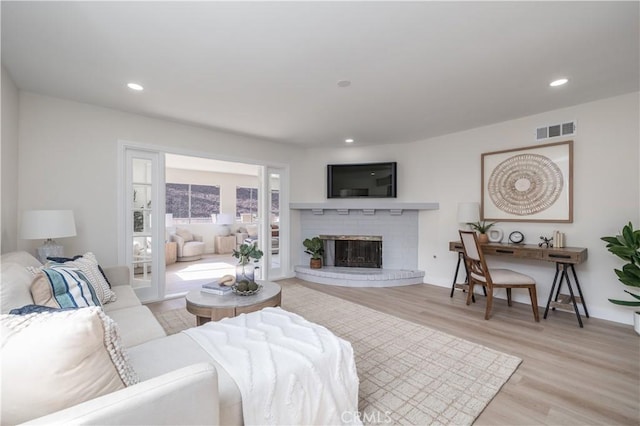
x,y
225,219
468,212
48,224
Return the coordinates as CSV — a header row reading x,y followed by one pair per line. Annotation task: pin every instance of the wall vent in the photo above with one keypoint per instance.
x,y
555,130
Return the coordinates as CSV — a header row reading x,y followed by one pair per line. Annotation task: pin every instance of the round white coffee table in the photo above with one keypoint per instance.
x,y
211,307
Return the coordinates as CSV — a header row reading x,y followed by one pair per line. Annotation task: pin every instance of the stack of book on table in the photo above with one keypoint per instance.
x,y
215,287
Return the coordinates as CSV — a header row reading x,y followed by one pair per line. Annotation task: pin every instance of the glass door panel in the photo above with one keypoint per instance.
x,y
143,209
277,223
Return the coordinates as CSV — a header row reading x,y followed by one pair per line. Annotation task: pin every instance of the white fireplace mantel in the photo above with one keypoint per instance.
x,y
367,206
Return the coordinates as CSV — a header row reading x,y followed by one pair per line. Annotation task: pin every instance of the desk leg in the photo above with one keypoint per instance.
x,y
553,286
455,277
573,298
564,275
584,304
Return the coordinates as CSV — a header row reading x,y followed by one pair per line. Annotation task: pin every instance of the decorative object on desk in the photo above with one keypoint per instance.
x,y
558,239
532,184
627,247
246,288
545,242
516,237
46,225
482,227
247,255
216,287
315,247
495,235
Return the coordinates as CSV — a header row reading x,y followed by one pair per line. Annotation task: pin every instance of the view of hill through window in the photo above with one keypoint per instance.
x,y
192,203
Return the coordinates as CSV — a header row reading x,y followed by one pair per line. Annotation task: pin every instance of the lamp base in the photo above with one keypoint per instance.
x,y
49,249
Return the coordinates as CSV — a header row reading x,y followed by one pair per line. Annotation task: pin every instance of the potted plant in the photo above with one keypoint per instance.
x,y
315,247
627,247
247,255
482,227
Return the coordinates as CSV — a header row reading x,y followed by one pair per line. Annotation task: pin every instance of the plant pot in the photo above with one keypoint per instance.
x,y
315,263
483,238
636,321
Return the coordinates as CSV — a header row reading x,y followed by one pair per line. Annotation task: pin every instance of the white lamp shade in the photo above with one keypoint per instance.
x,y
224,219
468,212
44,224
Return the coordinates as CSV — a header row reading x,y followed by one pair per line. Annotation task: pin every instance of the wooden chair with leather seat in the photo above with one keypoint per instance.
x,y
479,274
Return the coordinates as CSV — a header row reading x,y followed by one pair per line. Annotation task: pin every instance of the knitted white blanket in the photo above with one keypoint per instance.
x,y
289,370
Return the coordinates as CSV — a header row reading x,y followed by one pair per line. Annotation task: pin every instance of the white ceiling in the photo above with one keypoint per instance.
x,y
269,69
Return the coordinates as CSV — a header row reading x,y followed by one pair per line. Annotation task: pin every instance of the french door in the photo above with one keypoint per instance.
x,y
143,206
275,209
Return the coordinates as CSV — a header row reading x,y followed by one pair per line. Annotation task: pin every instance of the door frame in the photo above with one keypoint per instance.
x,y
285,217
156,290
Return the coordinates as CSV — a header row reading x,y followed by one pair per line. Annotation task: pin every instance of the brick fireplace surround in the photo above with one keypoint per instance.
x,y
396,228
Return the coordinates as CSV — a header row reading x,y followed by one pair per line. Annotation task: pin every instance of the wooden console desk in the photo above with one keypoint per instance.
x,y
564,258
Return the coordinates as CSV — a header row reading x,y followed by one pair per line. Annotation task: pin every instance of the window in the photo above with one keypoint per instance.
x,y
275,206
192,203
246,203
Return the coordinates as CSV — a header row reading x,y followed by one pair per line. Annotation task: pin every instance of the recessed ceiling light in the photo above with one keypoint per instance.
x,y
344,83
558,82
349,140
135,86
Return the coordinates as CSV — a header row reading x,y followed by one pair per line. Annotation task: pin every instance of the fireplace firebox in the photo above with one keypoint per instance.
x,y
358,251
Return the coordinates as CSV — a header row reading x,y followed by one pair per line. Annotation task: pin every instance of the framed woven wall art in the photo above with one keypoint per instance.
x,y
531,184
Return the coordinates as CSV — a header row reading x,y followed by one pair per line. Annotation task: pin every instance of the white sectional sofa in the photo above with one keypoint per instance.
x,y
179,383
292,371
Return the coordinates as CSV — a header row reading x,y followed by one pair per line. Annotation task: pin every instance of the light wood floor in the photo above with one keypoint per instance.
x,y
569,375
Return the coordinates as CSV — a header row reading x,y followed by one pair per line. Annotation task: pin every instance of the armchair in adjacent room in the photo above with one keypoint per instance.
x,y
190,246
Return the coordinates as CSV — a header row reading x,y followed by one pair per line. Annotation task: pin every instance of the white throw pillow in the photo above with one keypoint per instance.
x,y
252,230
184,234
51,361
15,284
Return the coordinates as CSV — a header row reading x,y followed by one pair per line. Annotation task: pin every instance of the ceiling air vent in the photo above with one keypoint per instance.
x,y
555,130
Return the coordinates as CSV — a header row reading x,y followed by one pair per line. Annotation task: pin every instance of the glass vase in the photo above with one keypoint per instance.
x,y
245,272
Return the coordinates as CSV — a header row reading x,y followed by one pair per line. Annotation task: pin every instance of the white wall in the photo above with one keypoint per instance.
x,y
9,155
68,160
447,170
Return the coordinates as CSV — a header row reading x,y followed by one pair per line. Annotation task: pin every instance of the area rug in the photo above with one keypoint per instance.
x,y
409,373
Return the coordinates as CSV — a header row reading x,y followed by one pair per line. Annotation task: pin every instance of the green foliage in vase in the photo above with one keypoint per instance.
x,y
248,252
481,226
627,247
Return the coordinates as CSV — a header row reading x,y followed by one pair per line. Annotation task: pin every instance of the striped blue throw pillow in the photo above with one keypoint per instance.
x,y
63,287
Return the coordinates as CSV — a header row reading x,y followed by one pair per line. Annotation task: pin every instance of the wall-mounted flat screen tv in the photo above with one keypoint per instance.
x,y
369,180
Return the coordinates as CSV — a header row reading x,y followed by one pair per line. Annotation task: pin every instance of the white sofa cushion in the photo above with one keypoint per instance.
x,y
157,357
126,298
54,360
138,325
